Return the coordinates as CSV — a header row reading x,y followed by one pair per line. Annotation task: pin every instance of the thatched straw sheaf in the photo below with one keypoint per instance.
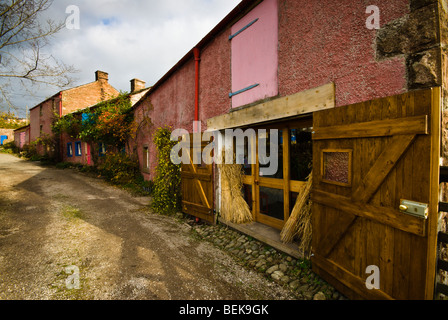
x,y
299,224
233,206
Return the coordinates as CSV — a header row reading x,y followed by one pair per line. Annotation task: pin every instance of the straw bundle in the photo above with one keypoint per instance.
x,y
233,206
299,223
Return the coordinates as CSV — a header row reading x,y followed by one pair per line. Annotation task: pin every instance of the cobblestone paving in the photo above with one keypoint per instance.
x,y
294,274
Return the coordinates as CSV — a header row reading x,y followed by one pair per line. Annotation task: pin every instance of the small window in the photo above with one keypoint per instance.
x,y
69,150
102,149
78,150
146,158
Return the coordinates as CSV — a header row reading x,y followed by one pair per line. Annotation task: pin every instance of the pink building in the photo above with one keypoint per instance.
x,y
81,152
269,49
22,136
281,63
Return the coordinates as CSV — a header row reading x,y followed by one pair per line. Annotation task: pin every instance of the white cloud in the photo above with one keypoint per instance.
x,y
131,38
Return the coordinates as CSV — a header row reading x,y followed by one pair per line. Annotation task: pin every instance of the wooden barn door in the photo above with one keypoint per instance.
x,y
367,158
197,187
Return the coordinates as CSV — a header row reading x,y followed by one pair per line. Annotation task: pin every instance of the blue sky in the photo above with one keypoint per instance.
x,y
127,38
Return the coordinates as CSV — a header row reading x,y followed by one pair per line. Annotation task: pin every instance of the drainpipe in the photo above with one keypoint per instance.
x,y
197,58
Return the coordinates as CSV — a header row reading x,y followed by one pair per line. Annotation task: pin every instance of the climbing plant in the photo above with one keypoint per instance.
x,y
69,124
166,189
110,123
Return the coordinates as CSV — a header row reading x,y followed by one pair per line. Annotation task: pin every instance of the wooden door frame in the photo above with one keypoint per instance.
x,y
436,146
286,184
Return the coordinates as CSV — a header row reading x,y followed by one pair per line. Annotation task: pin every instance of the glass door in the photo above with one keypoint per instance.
x,y
272,195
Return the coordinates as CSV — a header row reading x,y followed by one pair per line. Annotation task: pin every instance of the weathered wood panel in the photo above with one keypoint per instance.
x,y
197,188
394,149
297,104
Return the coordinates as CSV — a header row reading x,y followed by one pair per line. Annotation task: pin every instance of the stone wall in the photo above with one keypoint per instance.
x,y
415,36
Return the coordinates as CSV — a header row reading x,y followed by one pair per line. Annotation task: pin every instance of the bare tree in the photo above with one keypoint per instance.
x,y
23,38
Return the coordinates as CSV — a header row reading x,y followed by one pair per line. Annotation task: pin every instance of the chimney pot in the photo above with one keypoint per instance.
x,y
137,84
101,75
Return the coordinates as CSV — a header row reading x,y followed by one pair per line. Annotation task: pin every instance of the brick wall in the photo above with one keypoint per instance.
x,y
87,95
42,116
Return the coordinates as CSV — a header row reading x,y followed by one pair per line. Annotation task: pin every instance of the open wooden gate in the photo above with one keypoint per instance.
x,y
197,187
367,158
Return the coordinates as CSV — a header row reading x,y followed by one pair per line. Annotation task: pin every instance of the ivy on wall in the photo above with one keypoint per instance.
x,y
166,189
109,122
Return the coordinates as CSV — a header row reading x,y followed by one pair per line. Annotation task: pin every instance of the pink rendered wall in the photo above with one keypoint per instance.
x,y
172,105
328,41
214,79
173,102
34,124
44,119
255,54
318,42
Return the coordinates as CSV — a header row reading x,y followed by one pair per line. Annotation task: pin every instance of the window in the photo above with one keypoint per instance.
x,y
78,150
102,149
301,153
69,150
145,158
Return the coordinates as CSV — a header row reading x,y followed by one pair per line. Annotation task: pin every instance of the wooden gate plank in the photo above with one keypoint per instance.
x,y
369,185
198,183
383,215
395,143
378,128
197,188
382,167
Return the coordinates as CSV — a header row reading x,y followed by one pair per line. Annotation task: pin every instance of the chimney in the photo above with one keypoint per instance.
x,y
101,75
137,85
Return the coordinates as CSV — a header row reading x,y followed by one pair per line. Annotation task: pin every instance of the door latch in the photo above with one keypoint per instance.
x,y
413,208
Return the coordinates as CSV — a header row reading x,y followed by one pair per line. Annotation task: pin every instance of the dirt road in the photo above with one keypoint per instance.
x,y
60,226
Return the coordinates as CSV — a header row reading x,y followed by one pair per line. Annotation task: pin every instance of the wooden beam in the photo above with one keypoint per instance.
x,y
436,136
199,176
286,174
382,167
383,215
304,102
380,128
